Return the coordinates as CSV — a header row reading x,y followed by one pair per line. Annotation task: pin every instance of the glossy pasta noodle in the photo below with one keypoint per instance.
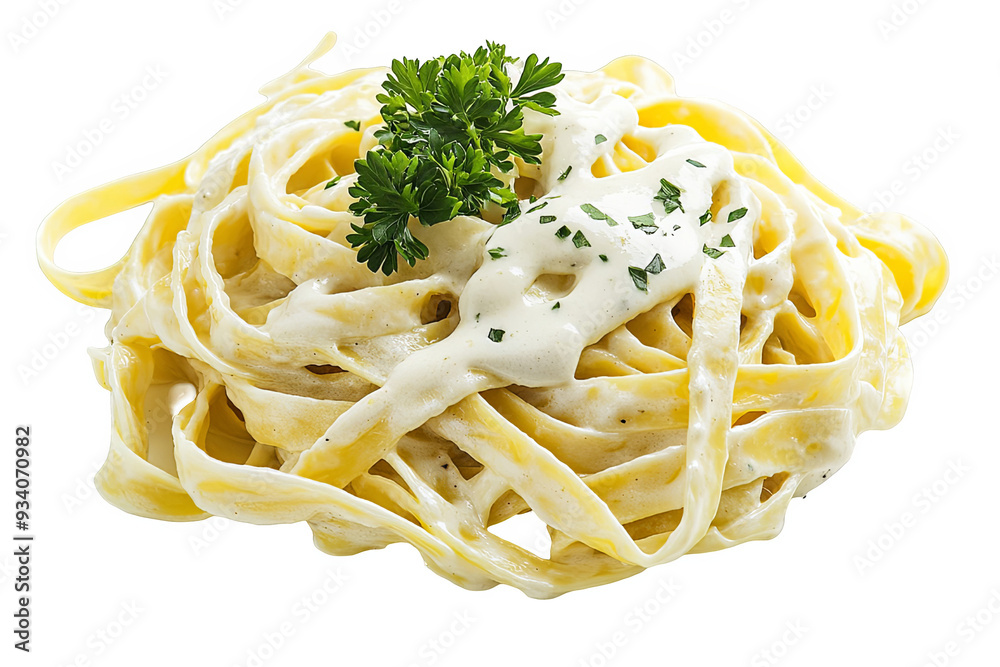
x,y
641,413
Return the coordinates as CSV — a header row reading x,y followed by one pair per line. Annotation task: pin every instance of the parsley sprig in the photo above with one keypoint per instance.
x,y
448,122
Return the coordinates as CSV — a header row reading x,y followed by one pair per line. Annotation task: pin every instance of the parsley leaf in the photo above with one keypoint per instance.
x,y
639,277
562,176
644,222
563,232
737,214
695,163
714,253
705,218
555,306
604,258
580,241
513,211
670,196
353,124
497,253
596,214
535,208
448,122
546,219
655,265
496,335
727,242
333,182
600,139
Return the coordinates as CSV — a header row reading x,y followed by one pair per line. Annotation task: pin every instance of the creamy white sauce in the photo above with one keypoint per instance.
x,y
541,345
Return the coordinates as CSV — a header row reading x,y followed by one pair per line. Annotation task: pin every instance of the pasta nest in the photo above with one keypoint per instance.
x,y
242,328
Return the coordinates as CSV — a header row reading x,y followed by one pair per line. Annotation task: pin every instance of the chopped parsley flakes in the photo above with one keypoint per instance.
x,y
670,196
596,214
714,253
639,277
644,222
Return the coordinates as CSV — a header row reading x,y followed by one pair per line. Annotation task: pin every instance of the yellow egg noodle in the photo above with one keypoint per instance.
x,y
516,369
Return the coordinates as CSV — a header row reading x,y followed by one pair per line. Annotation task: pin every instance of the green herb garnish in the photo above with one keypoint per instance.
x,y
353,124
727,242
644,222
604,258
496,335
737,214
497,253
535,208
580,241
655,265
600,139
670,196
714,253
546,219
562,176
563,232
596,214
511,214
333,182
638,277
695,163
448,121
555,306
705,218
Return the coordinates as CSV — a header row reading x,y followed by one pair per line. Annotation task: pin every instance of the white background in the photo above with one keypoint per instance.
x,y
874,83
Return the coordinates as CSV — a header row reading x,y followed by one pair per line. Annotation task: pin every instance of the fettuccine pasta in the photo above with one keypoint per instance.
x,y
680,332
